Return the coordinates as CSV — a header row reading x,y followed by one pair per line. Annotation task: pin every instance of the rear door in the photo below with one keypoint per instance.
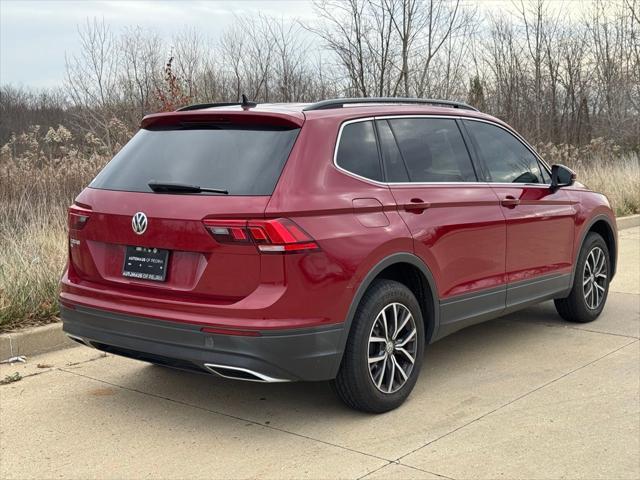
x,y
245,160
456,222
540,221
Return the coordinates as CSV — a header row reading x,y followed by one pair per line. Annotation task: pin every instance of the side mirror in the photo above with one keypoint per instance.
x,y
561,176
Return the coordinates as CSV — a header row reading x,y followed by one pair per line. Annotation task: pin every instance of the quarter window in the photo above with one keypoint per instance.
x,y
432,149
507,159
358,150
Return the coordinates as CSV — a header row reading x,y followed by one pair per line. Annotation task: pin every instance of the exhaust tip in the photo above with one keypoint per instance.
x,y
80,340
239,373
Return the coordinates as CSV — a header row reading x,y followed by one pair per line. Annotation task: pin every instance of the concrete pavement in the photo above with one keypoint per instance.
x,y
524,396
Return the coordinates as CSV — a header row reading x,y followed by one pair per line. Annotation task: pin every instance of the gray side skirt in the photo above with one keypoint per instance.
x,y
468,309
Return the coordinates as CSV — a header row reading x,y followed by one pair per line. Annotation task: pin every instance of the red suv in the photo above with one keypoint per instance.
x,y
325,241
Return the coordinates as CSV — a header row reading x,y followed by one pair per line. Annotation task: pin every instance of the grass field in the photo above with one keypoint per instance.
x,y
33,231
35,193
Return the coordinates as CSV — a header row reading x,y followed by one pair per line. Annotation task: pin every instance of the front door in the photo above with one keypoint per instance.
x,y
540,221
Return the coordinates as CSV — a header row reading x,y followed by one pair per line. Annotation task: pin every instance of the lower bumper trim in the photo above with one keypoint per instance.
x,y
309,354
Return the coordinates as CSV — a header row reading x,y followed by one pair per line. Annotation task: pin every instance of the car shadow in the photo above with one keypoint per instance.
x,y
444,360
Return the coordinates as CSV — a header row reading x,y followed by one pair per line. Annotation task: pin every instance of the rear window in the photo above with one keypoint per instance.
x,y
243,161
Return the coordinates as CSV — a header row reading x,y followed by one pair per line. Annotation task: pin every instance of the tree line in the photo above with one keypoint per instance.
x,y
555,77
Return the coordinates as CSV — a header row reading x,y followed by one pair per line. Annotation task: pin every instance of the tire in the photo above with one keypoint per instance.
x,y
382,387
580,305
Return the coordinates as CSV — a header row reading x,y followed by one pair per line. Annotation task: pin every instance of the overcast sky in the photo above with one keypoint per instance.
x,y
35,34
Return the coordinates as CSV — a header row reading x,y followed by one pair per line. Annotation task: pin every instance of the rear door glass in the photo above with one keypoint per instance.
x,y
243,161
358,150
433,150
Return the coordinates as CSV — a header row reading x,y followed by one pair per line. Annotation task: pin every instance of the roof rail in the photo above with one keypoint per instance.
x,y
342,102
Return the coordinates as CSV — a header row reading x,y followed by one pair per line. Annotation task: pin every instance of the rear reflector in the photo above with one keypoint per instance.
x,y
290,247
227,331
279,235
77,217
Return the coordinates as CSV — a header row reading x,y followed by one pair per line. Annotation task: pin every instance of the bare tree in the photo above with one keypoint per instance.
x,y
141,55
345,24
189,56
290,66
92,79
443,20
556,79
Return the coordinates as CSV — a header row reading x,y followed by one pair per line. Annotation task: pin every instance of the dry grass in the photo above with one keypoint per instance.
x,y
33,245
36,190
32,259
603,168
618,179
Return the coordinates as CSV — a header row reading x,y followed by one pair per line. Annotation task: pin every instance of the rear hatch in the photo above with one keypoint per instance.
x,y
160,217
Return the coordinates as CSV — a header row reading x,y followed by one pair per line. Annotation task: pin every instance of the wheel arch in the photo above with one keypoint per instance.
x,y
602,225
420,281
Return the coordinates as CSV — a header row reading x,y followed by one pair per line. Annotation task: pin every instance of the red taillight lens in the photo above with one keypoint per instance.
x,y
77,217
280,235
270,236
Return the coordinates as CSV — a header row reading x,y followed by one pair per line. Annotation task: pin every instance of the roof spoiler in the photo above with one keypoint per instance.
x,y
192,118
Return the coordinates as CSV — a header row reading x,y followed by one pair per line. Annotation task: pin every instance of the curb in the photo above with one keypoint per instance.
x,y
33,341
628,222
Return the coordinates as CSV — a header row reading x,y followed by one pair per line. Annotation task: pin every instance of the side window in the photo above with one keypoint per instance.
x,y
358,150
507,158
546,176
394,166
432,149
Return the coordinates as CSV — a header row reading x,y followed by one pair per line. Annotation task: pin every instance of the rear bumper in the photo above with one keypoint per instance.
x,y
306,354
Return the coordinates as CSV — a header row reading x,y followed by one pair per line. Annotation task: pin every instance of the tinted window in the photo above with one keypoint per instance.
x,y
358,150
507,158
242,161
394,166
546,176
433,150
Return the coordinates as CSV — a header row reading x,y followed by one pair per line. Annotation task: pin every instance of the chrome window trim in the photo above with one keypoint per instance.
x,y
335,153
426,184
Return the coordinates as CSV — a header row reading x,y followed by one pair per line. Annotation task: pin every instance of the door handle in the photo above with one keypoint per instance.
x,y
510,201
417,205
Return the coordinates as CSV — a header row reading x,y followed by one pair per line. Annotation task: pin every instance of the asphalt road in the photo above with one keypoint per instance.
x,y
524,396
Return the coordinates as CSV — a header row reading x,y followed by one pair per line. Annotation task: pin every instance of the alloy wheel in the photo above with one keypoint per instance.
x,y
594,278
392,347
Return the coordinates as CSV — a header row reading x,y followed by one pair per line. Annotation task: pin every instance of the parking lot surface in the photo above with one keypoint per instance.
x,y
524,396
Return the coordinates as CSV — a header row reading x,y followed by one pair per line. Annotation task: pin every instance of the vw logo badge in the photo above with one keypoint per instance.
x,y
139,223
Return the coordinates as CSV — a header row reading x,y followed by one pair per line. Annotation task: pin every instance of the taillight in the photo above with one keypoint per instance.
x,y
228,231
280,235
77,217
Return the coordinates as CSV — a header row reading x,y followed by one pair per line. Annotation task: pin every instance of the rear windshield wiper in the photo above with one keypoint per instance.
x,y
175,187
